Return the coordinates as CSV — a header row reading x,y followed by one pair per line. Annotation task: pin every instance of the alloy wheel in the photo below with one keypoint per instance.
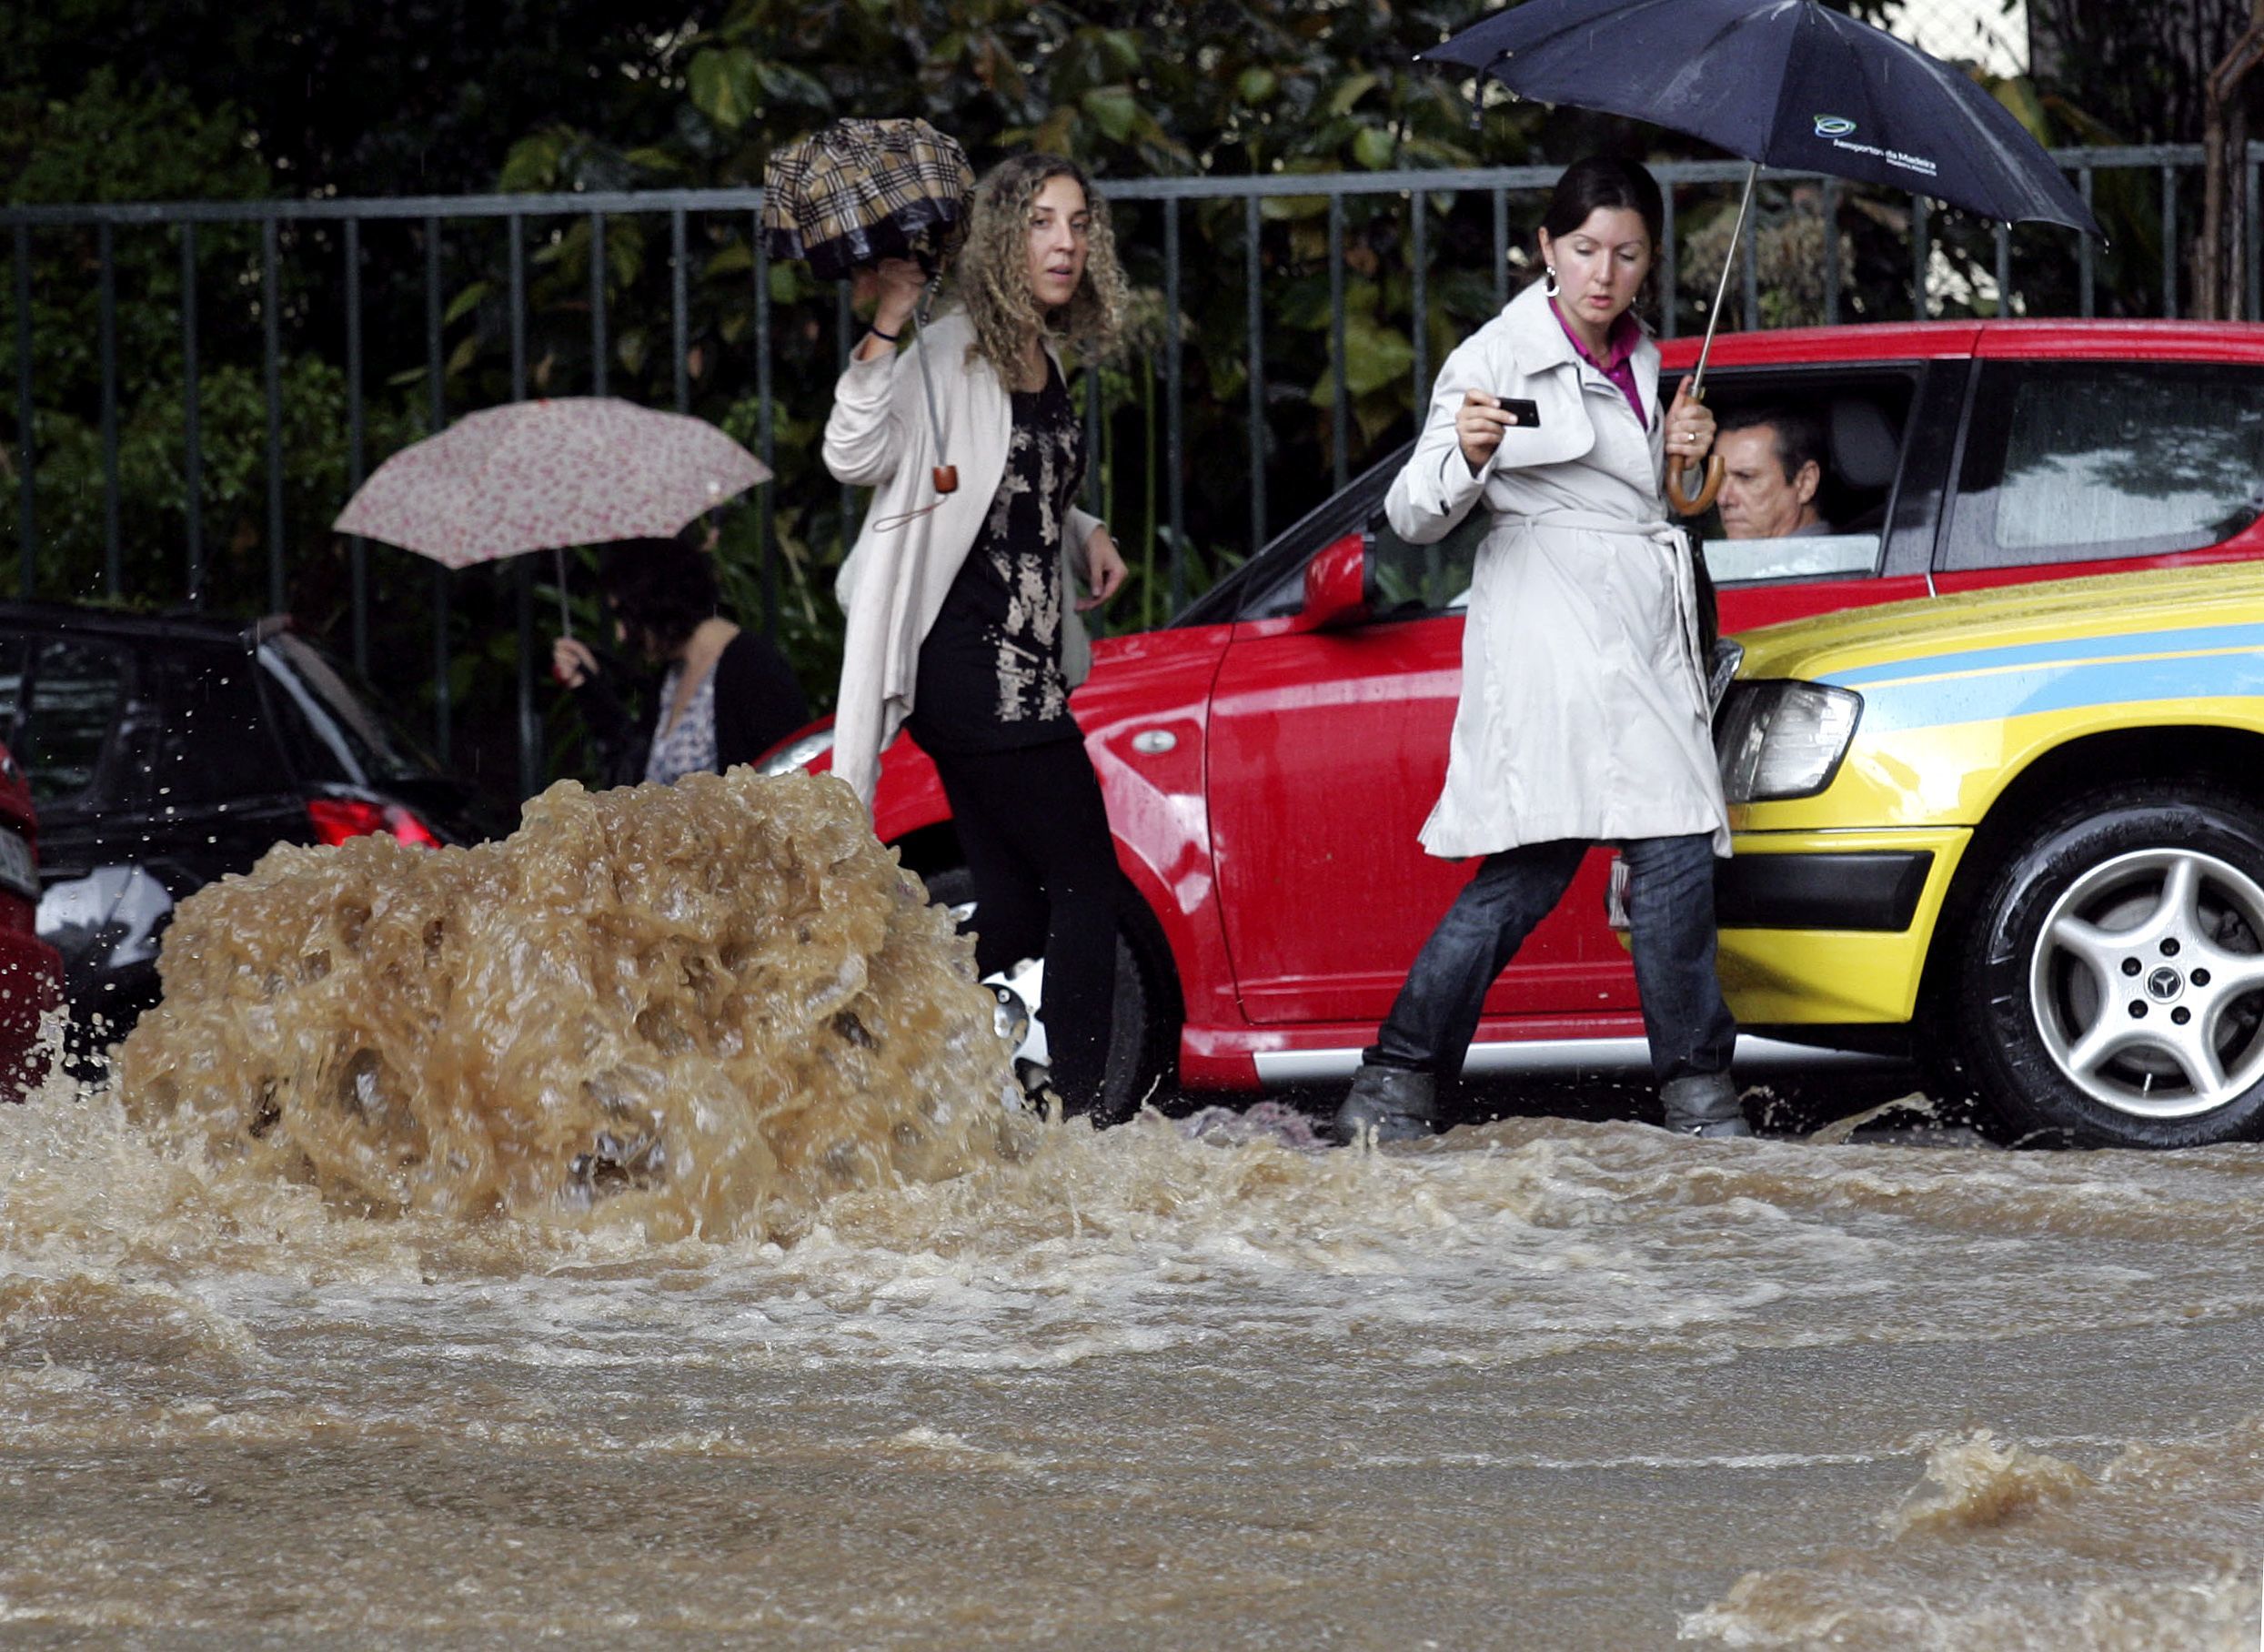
x,y
2147,982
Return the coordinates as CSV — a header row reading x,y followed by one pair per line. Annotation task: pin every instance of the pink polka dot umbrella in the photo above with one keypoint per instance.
x,y
546,475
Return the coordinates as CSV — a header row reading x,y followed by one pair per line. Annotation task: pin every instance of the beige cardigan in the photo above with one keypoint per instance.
x,y
894,581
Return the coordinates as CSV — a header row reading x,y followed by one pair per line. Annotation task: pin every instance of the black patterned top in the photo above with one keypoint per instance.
x,y
991,666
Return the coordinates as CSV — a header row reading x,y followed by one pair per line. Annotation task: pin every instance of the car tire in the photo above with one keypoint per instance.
x,y
2110,987
1143,1039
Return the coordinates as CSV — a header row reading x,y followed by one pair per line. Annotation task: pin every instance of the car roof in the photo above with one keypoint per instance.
x,y
181,624
1933,340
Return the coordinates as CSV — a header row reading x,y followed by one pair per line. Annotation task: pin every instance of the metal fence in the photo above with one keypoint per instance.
x,y
1152,216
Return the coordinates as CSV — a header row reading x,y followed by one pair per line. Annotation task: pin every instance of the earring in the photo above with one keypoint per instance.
x,y
1548,279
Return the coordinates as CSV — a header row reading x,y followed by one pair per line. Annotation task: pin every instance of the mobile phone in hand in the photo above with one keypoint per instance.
x,y
1521,408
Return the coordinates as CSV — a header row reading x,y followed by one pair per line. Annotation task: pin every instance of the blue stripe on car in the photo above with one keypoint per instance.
x,y
1993,695
2247,636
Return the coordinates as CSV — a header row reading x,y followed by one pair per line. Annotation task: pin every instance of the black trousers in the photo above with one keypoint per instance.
x,y
1036,837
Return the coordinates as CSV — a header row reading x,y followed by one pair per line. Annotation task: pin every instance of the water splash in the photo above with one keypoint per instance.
x,y
704,1007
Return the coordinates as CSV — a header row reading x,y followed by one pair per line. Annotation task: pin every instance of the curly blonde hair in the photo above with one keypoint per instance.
x,y
994,271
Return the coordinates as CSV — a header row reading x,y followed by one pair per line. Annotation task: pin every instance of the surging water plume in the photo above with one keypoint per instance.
x,y
704,1007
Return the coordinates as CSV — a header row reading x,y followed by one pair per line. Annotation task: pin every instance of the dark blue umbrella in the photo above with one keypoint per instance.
x,y
1784,84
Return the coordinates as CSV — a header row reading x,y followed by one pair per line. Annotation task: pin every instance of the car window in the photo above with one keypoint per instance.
x,y
76,689
332,731
14,652
213,744
1817,556
1408,580
2081,461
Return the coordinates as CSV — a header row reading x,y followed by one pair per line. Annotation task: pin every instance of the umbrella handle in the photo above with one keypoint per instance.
x,y
1710,484
945,477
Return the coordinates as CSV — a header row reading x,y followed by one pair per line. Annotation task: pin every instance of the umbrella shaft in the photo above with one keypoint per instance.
x,y
1721,290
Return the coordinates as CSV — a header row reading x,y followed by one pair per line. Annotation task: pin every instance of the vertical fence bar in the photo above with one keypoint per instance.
x,y
1255,319
2256,243
112,579
1173,422
1500,248
271,368
1420,251
523,568
356,547
1748,252
1340,411
765,431
1667,261
679,307
2169,241
2004,270
2088,305
1830,206
437,386
844,319
1920,256
597,304
192,424
26,449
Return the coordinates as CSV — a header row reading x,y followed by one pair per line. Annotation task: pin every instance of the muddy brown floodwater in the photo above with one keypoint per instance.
x,y
617,1233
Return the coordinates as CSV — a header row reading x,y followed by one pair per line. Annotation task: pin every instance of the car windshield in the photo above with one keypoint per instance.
x,y
332,729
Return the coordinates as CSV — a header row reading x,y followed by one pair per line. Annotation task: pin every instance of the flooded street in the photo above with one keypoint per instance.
x,y
294,1374
1541,1384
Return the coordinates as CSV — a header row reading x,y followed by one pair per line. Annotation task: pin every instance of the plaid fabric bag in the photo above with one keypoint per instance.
x,y
864,190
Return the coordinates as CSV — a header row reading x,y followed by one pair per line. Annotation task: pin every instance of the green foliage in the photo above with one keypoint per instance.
x,y
574,97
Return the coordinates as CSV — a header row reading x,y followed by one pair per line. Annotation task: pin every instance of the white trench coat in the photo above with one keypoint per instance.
x,y
1584,706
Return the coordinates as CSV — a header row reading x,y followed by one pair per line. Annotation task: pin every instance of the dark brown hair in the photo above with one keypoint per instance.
x,y
1602,181
661,588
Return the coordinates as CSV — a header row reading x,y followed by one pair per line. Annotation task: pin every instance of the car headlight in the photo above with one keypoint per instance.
x,y
797,753
1783,740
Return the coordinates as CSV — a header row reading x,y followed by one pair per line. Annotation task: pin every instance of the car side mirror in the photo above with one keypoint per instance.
x,y
1336,587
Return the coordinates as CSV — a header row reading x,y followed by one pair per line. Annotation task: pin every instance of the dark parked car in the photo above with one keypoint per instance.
x,y
165,753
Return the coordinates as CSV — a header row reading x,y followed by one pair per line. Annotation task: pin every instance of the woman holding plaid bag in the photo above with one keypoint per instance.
x,y
962,604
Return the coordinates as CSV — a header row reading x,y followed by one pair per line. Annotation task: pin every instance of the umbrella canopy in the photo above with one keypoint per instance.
x,y
864,190
543,475
1785,84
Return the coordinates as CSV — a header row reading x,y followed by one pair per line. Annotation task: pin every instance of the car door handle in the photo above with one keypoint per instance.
x,y
1151,742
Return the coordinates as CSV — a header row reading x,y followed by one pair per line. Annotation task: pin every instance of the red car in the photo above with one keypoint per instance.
x,y
31,971
1268,757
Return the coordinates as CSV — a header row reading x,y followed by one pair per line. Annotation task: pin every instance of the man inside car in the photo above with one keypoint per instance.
x,y
1771,465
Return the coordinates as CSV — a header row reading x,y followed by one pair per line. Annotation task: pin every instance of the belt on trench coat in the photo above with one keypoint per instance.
x,y
1673,541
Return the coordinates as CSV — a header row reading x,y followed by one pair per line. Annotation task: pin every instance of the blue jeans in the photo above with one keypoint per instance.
x,y
1670,910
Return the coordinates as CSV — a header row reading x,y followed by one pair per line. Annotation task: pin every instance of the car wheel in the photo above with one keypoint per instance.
x,y
2112,985
1143,1034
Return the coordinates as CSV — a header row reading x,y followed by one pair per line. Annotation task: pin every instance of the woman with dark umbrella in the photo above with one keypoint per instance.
x,y
1583,710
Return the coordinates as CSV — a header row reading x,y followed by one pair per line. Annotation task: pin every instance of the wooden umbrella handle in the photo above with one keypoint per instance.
x,y
1692,504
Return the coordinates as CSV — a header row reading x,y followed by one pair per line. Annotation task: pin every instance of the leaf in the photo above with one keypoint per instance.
x,y
723,84
1372,148
463,355
1348,93
1114,109
532,163
1374,355
729,260
1257,86
467,301
782,83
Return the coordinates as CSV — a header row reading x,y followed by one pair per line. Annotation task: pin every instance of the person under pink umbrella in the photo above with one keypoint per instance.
x,y
726,695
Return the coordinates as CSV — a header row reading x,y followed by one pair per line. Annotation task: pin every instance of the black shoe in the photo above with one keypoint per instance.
x,y
1703,1104
1388,1105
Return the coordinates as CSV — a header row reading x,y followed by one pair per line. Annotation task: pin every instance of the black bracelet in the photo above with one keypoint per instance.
x,y
876,333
